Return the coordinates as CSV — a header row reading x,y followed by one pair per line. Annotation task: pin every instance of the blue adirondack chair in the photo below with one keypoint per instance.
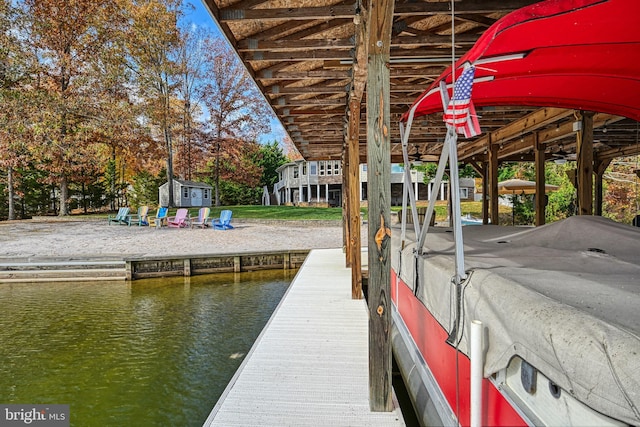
x,y
120,218
224,222
160,218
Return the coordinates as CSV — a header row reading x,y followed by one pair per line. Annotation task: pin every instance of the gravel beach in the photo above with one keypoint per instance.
x,y
52,238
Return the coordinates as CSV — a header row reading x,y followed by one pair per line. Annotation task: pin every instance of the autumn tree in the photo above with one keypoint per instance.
x,y
125,140
238,171
236,109
622,198
15,72
67,36
153,40
190,59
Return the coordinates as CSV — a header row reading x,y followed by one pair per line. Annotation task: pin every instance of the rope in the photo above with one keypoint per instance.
x,y
453,80
453,44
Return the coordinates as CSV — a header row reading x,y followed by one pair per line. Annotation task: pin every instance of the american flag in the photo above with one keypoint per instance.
x,y
460,112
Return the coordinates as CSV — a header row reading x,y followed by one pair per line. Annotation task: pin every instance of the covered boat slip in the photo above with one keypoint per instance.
x,y
309,365
563,297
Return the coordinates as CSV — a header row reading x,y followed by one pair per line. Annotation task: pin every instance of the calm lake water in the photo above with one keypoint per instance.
x,y
146,353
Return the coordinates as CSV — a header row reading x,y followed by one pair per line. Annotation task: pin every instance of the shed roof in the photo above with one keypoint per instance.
x,y
186,183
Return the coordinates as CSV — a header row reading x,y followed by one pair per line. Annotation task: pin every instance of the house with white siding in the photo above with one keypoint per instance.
x,y
319,183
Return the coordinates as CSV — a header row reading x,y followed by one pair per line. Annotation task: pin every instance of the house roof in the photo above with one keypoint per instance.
x,y
308,57
185,183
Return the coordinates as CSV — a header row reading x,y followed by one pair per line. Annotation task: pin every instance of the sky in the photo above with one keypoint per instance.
x,y
200,16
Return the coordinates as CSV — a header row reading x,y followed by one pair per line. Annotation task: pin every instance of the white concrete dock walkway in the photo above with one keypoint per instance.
x,y
309,367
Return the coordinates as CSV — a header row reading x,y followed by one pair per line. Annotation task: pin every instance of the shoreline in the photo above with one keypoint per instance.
x,y
45,238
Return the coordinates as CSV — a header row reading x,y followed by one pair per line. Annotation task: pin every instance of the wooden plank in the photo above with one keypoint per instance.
x,y
298,55
317,89
346,241
585,165
463,7
353,172
287,14
599,167
529,123
308,367
255,44
540,183
432,40
379,24
284,101
347,11
269,74
493,182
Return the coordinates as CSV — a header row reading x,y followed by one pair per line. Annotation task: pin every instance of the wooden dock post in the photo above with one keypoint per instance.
x,y
359,82
353,199
541,196
493,180
187,267
585,164
379,197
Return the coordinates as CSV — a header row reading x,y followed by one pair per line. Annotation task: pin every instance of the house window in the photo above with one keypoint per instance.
x,y
321,168
329,168
313,168
464,193
336,167
304,169
397,168
205,193
185,192
296,172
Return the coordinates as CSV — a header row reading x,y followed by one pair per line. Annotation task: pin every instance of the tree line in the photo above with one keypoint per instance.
x,y
102,101
621,188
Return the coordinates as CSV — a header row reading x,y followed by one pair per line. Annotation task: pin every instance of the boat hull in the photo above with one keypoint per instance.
x,y
436,374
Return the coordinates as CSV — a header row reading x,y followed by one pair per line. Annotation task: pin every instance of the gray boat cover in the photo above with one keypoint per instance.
x,y
565,297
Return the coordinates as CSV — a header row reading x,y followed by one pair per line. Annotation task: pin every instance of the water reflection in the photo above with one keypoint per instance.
x,y
151,352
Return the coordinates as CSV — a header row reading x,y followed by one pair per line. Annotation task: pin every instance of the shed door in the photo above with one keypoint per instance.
x,y
196,197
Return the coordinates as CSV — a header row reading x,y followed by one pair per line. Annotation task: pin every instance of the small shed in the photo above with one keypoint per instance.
x,y
186,194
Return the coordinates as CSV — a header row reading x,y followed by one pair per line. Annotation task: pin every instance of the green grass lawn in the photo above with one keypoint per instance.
x,y
316,213
280,212
312,213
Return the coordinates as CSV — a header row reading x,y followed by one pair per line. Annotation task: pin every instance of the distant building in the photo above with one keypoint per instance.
x,y
186,194
320,183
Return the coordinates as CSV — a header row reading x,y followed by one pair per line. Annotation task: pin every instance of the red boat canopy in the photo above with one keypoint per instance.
x,y
578,54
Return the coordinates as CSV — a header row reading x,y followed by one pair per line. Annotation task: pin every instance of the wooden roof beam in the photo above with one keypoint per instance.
x,y
285,101
298,55
278,31
481,20
317,89
529,123
288,14
319,27
245,4
348,11
464,7
432,40
304,75
285,45
314,112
